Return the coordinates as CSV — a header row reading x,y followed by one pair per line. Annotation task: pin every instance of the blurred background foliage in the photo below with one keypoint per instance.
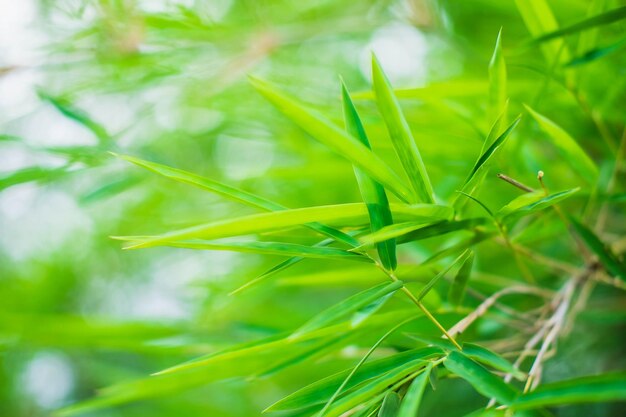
x,y
166,81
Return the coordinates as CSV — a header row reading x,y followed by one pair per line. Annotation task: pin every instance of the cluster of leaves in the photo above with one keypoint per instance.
x,y
516,277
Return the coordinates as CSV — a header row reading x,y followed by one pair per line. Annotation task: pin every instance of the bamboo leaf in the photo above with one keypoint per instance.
x,y
372,192
373,388
609,260
348,306
401,136
390,406
344,214
601,19
490,154
332,136
457,289
497,81
540,20
568,147
596,53
481,379
78,115
529,203
461,259
271,248
413,397
587,389
231,193
319,391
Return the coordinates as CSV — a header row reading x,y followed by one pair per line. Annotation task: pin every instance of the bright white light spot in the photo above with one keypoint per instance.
x,y
401,50
48,379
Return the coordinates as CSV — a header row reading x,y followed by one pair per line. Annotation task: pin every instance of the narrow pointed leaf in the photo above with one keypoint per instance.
x,y
319,391
540,20
481,379
355,213
348,306
413,397
229,192
326,132
372,192
533,202
608,259
497,81
602,19
401,135
569,149
490,154
373,388
272,248
459,260
390,405
457,289
587,389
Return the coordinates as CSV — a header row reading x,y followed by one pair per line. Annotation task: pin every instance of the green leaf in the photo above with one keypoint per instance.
x,y
461,259
347,306
323,130
497,81
401,136
540,20
602,19
490,154
319,391
596,53
390,406
570,150
412,231
373,388
272,248
457,289
490,358
587,389
481,379
473,351
530,203
609,260
79,116
231,193
342,214
372,192
413,397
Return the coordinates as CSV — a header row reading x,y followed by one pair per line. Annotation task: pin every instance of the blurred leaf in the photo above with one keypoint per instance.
x,y
602,19
372,192
607,258
79,116
587,389
461,259
457,289
401,136
596,53
272,248
413,397
497,81
540,20
481,379
332,136
390,406
570,150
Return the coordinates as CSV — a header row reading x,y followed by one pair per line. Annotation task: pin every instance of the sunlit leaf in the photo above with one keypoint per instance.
x,y
401,136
